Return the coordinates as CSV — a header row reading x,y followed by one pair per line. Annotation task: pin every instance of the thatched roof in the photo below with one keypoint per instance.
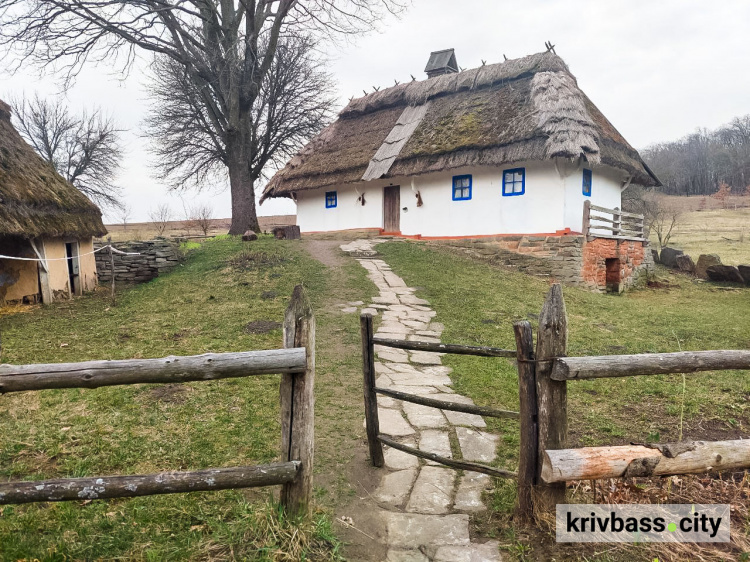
x,y
34,199
523,109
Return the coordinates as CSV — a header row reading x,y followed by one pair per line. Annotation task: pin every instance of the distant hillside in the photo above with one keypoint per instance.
x,y
697,163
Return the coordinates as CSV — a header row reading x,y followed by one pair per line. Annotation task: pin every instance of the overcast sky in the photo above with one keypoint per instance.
x,y
656,69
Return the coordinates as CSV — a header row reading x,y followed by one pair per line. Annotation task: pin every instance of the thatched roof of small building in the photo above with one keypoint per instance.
x,y
34,199
523,109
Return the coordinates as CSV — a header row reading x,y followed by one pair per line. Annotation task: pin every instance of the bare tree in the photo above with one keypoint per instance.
x,y
202,217
661,217
125,212
294,103
226,49
160,217
84,149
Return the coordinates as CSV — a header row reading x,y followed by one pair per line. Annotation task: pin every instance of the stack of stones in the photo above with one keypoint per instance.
x,y
708,266
156,256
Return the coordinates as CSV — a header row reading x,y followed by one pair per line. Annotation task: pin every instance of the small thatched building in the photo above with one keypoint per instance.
x,y
42,217
509,148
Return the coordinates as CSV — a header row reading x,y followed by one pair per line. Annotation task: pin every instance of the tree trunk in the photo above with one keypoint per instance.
x,y
242,186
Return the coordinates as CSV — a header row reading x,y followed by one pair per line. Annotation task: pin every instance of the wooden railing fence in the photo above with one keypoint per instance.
x,y
545,464
295,363
612,223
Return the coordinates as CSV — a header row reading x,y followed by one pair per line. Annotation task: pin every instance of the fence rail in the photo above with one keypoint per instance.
x,y
296,364
94,374
545,462
578,368
618,224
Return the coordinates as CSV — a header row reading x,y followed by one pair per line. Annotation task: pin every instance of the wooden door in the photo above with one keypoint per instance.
x,y
392,208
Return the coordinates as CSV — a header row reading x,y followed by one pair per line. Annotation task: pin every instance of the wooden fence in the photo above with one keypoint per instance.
x,y
612,223
295,363
545,464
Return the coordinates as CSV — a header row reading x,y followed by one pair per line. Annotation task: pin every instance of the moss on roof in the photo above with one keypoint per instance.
x,y
523,109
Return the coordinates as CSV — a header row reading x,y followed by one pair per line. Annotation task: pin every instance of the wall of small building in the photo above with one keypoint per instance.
x,y
550,203
87,264
19,281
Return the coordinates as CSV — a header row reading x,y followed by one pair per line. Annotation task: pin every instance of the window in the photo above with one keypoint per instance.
x,y
587,182
514,181
331,199
461,188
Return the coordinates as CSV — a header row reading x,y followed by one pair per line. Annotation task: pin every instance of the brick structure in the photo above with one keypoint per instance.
x,y
613,265
569,259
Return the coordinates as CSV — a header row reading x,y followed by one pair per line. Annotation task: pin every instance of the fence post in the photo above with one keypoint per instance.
x,y
298,405
527,462
371,400
111,269
586,219
552,409
617,217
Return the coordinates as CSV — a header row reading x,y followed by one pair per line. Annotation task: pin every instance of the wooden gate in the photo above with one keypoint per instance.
x,y
392,208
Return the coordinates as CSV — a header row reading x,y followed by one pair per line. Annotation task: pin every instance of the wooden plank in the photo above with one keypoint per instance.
x,y
480,351
621,231
615,211
372,422
104,487
446,405
586,217
297,394
603,366
602,219
593,463
460,465
613,237
172,369
527,462
552,395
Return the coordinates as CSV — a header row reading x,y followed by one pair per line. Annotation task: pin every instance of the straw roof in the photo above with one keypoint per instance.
x,y
523,109
34,199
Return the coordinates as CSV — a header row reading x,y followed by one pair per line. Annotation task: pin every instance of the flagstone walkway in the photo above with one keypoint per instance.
x,y
425,506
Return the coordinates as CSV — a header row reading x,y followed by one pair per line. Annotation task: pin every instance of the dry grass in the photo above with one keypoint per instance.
x,y
177,229
725,232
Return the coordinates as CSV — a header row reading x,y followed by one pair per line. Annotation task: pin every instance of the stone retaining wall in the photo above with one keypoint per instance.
x,y
569,259
156,256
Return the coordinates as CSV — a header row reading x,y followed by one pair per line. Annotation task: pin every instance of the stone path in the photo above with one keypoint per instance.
x,y
424,505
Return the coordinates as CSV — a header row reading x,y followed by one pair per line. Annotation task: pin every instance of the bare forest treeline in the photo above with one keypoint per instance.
x,y
698,163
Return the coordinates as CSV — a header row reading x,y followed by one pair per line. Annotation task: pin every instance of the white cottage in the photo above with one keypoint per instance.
x,y
514,148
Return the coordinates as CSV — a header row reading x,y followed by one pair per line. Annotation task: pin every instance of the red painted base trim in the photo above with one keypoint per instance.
x,y
381,232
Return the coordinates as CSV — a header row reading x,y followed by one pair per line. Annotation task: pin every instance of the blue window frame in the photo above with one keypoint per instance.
x,y
331,199
461,188
514,182
587,182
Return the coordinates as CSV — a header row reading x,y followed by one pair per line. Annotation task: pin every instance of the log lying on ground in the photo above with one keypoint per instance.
x,y
102,487
593,463
575,368
93,374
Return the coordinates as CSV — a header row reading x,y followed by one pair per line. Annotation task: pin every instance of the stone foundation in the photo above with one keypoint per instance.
x,y
569,259
156,256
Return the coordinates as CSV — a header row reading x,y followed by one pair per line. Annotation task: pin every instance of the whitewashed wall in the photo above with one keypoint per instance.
x,y
312,215
550,203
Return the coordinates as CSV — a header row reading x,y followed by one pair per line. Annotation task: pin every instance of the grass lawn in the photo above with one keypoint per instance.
x,y
206,304
478,305
203,306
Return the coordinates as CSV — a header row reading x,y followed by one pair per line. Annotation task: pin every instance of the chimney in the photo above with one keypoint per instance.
x,y
441,62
